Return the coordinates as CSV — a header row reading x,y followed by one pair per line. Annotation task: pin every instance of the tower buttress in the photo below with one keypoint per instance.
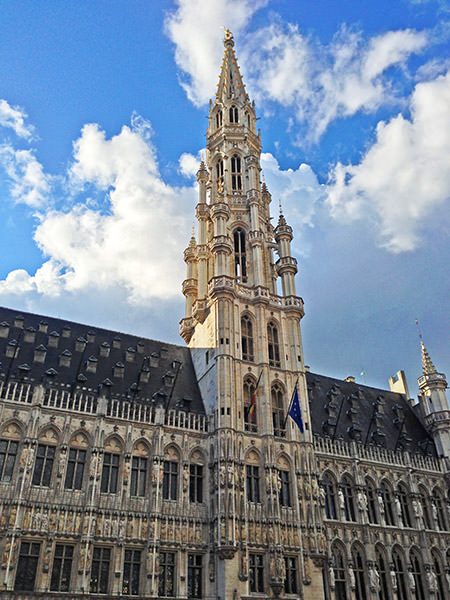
x,y
437,411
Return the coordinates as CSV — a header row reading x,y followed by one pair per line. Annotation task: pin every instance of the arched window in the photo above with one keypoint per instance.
x,y
76,462
278,416
383,574
240,258
329,488
371,502
440,576
249,123
402,494
426,508
418,574
139,470
386,496
360,576
400,575
349,503
273,345
234,114
196,477
439,510
219,176
219,118
45,458
340,574
236,173
247,338
110,468
9,446
249,405
170,474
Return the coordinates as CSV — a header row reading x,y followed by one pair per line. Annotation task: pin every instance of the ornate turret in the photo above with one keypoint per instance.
x,y
432,386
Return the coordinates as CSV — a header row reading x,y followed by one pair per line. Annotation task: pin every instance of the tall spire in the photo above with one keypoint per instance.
x,y
230,86
428,367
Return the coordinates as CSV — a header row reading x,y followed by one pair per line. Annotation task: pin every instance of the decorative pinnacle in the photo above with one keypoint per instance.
x,y
427,364
228,39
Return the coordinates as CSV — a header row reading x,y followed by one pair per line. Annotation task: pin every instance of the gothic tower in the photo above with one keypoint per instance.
x,y
242,325
437,412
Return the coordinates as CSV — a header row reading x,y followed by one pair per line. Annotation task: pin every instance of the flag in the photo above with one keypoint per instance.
x,y
251,410
295,412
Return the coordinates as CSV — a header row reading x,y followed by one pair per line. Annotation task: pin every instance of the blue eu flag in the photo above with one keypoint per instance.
x,y
295,411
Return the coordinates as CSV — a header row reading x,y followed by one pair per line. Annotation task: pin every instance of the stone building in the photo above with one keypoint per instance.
x,y
130,467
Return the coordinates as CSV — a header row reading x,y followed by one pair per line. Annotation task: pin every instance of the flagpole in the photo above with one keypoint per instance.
x,y
290,404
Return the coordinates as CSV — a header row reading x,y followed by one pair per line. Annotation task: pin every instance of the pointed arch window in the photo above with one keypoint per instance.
x,y
439,504
219,119
402,494
386,495
273,345
236,173
8,455
240,257
278,411
349,502
383,574
418,574
426,509
439,571
234,114
340,574
249,405
329,487
219,176
371,502
360,577
247,338
400,575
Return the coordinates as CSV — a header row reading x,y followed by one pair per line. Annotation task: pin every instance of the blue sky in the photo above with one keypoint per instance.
x,y
102,121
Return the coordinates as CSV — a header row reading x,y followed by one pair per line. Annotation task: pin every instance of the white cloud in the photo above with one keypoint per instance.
x,y
405,175
28,182
133,244
189,164
14,118
194,28
318,83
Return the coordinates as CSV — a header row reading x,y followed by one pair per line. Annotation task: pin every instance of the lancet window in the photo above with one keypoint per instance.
x,y
240,256
278,415
234,114
219,118
219,176
273,345
329,487
236,173
247,338
250,423
360,578
400,575
417,571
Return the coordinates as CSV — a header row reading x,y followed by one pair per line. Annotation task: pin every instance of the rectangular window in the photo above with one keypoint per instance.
x,y
167,574
252,483
256,572
285,491
62,568
196,483
131,572
8,453
290,583
110,473
138,476
101,561
195,575
43,465
27,566
170,480
75,469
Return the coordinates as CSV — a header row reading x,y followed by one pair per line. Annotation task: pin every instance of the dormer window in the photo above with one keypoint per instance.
x,y
236,174
219,119
240,260
234,114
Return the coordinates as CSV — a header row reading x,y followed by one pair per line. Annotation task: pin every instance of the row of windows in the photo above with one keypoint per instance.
x,y
253,485
109,483
278,408
236,174
273,344
62,574
233,116
398,508
257,574
385,576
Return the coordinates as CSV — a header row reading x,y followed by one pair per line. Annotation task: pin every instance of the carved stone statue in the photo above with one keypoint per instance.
x,y
331,578
431,580
411,580
393,579
341,499
362,501
322,496
374,579
351,573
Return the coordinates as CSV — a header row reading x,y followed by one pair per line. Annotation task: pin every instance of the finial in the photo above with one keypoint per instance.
x,y
281,208
228,40
418,329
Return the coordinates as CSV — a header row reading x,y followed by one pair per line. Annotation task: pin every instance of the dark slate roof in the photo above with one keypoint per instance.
x,y
97,360
349,411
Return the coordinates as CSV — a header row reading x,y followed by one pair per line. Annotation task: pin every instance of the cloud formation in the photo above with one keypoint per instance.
x,y
127,242
14,118
405,175
281,65
28,183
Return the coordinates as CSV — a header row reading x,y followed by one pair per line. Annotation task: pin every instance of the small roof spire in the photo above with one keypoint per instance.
x,y
428,367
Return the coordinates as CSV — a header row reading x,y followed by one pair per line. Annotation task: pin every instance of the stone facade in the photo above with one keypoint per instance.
x,y
133,468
